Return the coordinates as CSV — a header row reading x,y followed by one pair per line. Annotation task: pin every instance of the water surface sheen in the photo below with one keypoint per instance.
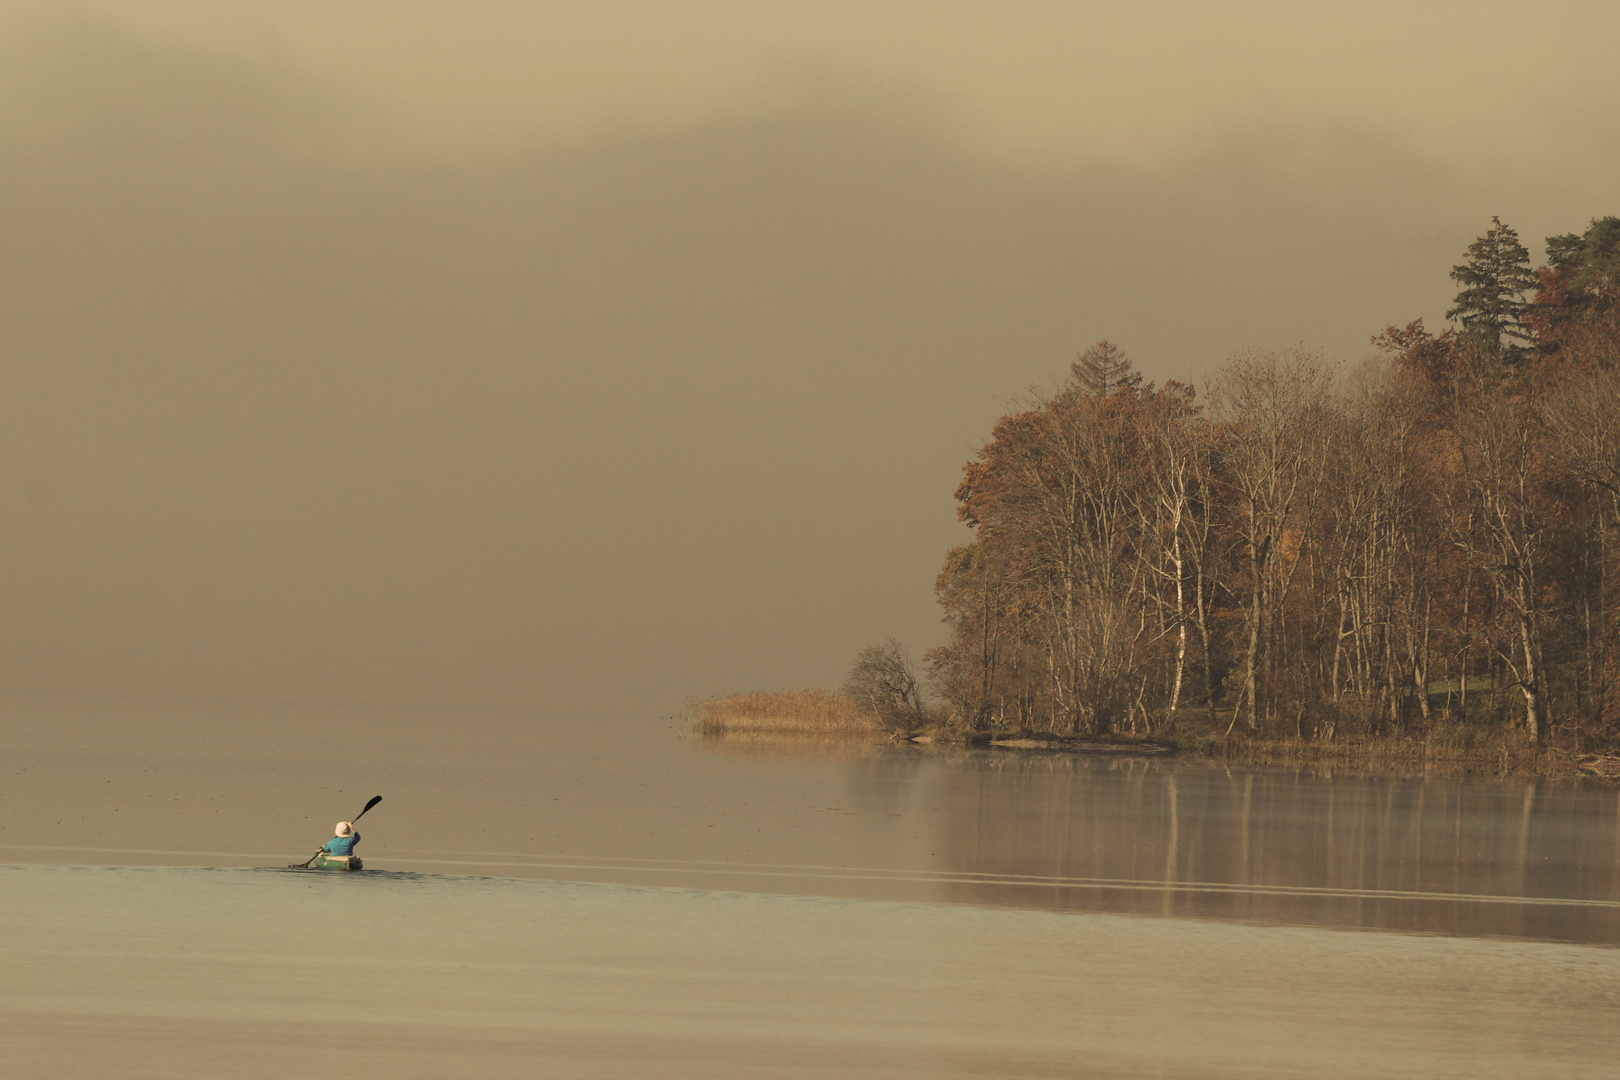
x,y
634,802
612,899
176,972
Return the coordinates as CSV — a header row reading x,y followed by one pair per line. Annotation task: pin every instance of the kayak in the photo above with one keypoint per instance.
x,y
326,861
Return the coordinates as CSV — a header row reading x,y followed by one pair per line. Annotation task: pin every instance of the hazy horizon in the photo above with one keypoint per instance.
x,y
537,358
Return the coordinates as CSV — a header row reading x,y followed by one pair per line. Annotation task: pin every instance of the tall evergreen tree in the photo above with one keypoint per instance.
x,y
1102,370
1491,305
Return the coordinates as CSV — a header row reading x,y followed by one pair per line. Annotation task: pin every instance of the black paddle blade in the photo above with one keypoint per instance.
x,y
375,799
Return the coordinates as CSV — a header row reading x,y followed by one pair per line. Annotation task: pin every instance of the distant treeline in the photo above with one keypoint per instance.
x,y
1429,537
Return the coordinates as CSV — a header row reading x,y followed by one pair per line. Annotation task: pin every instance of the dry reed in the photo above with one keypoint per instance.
x,y
822,713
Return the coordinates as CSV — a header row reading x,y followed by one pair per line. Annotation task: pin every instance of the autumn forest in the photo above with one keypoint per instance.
x,y
1428,539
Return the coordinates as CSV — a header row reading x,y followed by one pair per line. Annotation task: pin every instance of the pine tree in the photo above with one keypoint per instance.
x,y
1491,305
1102,370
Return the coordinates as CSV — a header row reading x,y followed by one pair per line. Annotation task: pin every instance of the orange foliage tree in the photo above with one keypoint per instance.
x,y
1430,537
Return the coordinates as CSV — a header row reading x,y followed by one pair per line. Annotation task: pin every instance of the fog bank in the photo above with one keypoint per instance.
x,y
296,406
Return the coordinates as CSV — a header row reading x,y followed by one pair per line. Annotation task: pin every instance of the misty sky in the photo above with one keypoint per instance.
x,y
583,357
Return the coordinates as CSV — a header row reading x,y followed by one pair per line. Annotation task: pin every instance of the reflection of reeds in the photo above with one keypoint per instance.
x,y
794,744
822,713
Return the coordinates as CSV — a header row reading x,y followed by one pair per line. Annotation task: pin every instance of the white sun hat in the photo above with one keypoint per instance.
x,y
344,828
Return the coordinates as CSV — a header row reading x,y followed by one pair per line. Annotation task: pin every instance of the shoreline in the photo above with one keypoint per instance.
x,y
802,721
1394,757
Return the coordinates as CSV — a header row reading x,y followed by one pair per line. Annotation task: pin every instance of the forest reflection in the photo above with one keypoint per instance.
x,y
1450,855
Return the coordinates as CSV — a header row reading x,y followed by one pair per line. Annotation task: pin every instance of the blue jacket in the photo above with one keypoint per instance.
x,y
342,845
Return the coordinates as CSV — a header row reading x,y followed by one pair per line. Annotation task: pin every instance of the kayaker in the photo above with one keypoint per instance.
x,y
343,843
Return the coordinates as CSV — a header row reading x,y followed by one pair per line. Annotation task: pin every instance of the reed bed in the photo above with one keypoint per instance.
x,y
815,713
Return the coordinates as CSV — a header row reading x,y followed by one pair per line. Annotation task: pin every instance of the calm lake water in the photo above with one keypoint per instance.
x,y
589,897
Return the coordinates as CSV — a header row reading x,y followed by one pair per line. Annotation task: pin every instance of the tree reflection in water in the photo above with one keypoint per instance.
x,y
1449,855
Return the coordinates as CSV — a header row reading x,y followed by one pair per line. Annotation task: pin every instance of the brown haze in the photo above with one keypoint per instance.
x,y
383,353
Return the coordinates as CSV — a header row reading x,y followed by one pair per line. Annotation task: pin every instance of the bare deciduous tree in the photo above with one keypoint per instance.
x,y
883,680
1499,435
1272,408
